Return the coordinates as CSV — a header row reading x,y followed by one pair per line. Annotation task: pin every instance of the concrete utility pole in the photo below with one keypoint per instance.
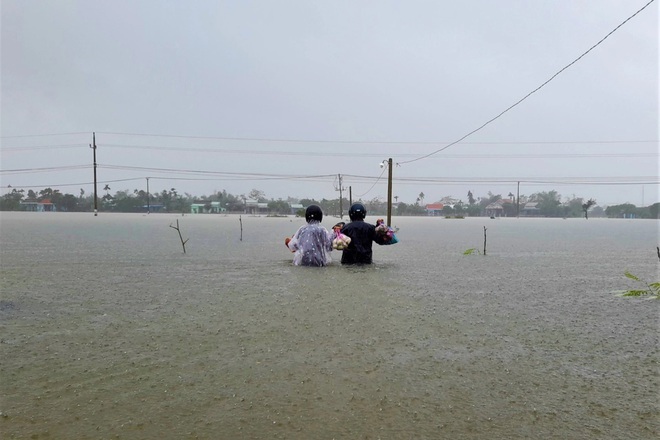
x,y
148,204
518,202
341,189
96,198
389,192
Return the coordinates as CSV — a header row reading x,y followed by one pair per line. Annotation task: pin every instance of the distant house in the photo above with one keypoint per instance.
x,y
500,208
495,209
434,209
207,208
43,206
531,209
255,207
153,207
295,207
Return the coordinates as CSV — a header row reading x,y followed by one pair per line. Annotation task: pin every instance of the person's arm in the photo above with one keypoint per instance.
x,y
329,235
294,243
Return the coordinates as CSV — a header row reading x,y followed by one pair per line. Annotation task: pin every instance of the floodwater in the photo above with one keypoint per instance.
x,y
108,330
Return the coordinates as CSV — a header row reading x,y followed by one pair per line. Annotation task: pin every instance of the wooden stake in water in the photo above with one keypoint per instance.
x,y
241,222
484,240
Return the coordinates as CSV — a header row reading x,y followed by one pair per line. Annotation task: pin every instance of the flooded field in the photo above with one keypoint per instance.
x,y
108,330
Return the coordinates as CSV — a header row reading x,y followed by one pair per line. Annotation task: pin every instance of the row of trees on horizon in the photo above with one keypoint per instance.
x,y
548,202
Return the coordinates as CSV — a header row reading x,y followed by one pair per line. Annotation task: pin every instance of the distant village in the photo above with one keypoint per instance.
x,y
541,204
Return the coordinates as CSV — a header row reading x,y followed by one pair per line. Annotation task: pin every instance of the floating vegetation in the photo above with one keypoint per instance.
x,y
652,289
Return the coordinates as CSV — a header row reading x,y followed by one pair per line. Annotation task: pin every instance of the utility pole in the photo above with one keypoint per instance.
x,y
93,147
642,196
148,205
350,195
389,192
340,189
518,202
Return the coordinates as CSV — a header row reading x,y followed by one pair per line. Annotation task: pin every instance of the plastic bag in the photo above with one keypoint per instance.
x,y
388,233
340,241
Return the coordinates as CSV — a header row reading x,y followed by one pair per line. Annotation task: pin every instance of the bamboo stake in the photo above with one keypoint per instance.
x,y
484,240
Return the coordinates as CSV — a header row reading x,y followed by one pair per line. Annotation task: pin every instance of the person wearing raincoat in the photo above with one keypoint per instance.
x,y
312,243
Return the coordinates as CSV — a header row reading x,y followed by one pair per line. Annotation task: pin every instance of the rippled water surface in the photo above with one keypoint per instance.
x,y
108,330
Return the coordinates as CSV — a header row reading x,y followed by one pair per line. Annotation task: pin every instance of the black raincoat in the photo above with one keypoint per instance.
x,y
363,235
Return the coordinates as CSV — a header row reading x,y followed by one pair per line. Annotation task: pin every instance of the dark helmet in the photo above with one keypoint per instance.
x,y
357,211
313,212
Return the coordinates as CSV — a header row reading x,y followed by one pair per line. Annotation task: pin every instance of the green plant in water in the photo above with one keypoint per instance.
x,y
471,251
652,289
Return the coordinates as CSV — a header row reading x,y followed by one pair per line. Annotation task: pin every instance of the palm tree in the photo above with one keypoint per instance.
x,y
106,188
421,198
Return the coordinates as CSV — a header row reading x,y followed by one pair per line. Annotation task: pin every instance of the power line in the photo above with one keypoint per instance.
x,y
44,135
374,155
43,147
252,139
509,179
44,169
372,186
358,142
221,173
72,184
533,91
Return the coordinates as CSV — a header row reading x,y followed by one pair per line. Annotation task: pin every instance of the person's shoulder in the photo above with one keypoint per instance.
x,y
349,225
358,224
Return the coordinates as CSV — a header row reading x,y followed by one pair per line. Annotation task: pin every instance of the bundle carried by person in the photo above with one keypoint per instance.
x,y
339,241
286,243
386,232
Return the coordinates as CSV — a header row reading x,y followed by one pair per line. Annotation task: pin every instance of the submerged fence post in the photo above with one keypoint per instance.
x,y
484,240
240,220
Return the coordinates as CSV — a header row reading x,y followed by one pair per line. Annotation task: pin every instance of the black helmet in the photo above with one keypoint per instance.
x,y
313,212
357,211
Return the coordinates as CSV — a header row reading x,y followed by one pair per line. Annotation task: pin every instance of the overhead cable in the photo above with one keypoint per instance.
x,y
530,93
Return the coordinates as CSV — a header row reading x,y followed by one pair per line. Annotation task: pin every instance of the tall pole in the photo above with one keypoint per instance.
x,y
148,204
341,210
350,195
389,192
96,198
518,202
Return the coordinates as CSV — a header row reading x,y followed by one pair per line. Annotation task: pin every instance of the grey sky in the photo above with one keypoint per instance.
x,y
368,80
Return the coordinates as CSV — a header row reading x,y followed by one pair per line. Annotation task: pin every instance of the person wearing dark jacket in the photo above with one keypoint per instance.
x,y
362,235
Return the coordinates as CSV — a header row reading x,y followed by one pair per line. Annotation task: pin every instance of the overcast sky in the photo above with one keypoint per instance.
x,y
203,96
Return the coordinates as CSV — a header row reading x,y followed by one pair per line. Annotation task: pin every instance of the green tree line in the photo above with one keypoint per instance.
x,y
170,200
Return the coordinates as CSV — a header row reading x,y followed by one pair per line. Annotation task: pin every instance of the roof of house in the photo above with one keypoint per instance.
x,y
36,202
434,206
